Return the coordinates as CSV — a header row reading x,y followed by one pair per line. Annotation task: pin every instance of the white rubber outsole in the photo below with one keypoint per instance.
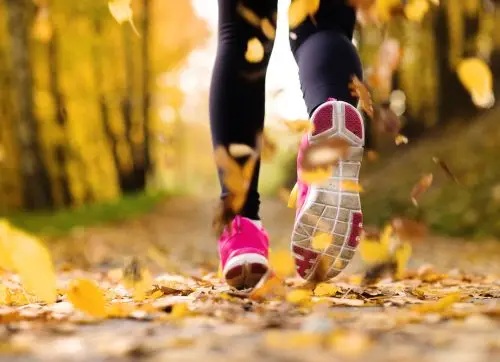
x,y
330,207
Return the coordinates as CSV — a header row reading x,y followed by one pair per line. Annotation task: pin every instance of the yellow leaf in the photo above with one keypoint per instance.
x,y
86,295
415,10
299,296
292,200
269,287
325,290
352,186
255,51
316,176
27,256
119,310
384,9
282,263
137,278
440,305
350,344
249,15
300,9
180,310
402,255
321,240
400,139
121,10
385,238
300,126
292,340
268,29
477,78
373,252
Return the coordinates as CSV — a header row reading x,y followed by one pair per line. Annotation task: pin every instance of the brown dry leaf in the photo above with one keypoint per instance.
x,y
352,186
138,278
360,91
86,295
361,4
400,139
268,29
409,230
321,241
235,177
299,126
422,186
372,156
299,10
249,15
224,216
269,287
255,51
324,154
446,169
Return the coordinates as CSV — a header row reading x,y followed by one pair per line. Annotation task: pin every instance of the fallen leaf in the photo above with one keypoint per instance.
x,y
86,295
321,241
299,10
323,154
350,344
255,51
360,91
292,199
282,263
439,305
268,29
240,150
400,139
299,126
121,10
26,255
269,287
477,78
352,186
249,15
137,278
446,169
422,186
325,290
299,296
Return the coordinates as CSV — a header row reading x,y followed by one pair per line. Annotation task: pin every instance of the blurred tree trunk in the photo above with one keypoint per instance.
x,y
146,75
133,180
61,150
36,183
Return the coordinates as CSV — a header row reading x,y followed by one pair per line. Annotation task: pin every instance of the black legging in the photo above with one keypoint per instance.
x,y
325,56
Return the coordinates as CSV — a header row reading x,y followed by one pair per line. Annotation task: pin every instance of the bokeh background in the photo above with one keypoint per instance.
x,y
100,121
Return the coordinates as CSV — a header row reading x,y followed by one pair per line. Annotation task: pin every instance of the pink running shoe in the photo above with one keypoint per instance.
x,y
327,207
244,253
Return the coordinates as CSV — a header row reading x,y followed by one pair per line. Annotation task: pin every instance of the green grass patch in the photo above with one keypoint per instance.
x,y
63,221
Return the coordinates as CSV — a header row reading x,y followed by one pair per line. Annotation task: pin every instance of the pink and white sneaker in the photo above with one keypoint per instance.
x,y
329,207
244,253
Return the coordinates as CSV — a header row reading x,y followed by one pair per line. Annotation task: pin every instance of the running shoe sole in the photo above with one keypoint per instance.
x,y
330,207
245,271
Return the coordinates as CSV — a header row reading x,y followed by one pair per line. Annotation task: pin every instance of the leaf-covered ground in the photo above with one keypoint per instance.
x,y
445,309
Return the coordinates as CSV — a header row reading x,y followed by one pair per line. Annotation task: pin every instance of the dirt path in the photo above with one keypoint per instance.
x,y
381,323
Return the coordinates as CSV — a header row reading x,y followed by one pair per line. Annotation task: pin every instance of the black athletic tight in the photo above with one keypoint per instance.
x,y
324,53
